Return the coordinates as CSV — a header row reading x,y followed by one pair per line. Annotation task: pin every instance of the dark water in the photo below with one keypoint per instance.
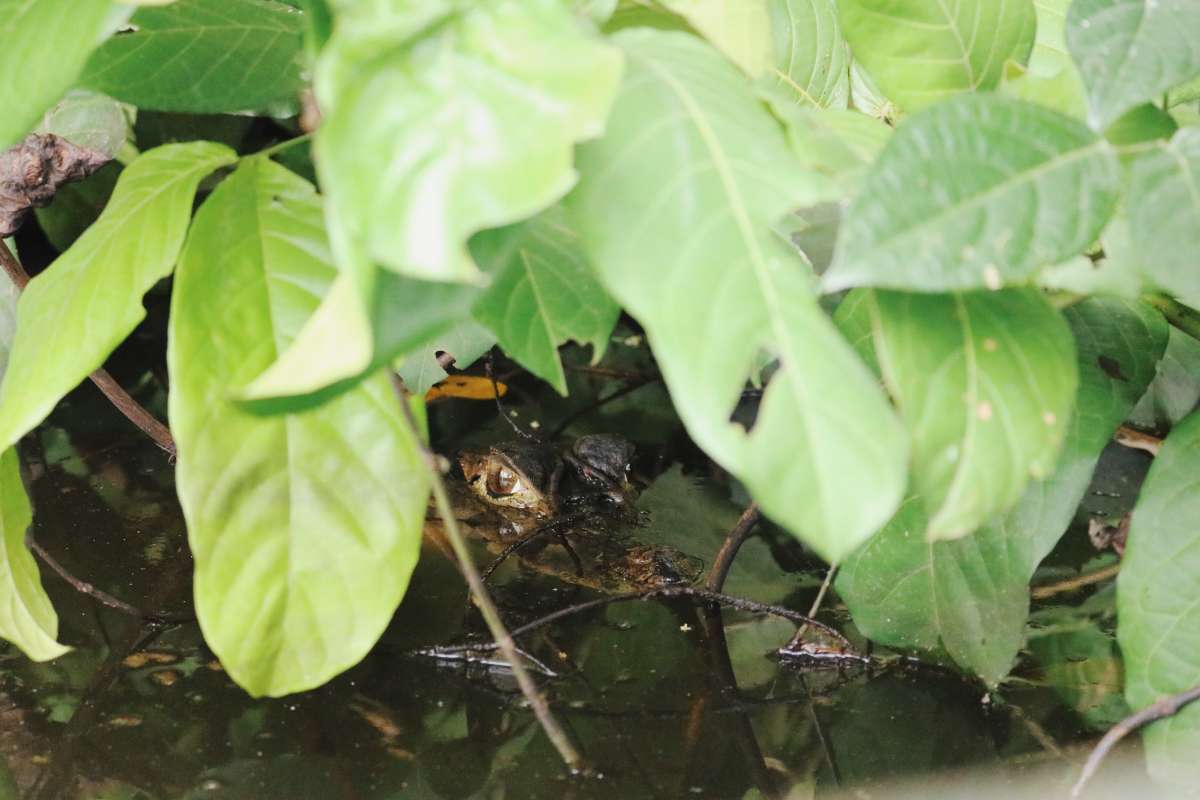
x,y
665,700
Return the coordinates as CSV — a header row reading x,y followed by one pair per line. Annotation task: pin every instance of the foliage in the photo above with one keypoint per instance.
x,y
519,172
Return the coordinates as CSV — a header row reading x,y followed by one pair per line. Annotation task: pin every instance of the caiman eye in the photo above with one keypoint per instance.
x,y
503,481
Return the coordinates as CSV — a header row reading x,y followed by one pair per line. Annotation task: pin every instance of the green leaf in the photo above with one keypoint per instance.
x,y
204,56
977,191
27,618
715,290
1159,618
840,144
741,30
471,125
1164,214
921,52
1131,51
1175,390
72,315
90,120
812,60
984,381
45,46
465,343
305,527
543,294
969,597
77,205
1050,79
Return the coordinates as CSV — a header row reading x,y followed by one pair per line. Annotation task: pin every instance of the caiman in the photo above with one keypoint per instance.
x,y
567,514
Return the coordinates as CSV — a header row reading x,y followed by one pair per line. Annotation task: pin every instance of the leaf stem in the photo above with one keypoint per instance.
x,y
503,639
279,147
1180,316
121,399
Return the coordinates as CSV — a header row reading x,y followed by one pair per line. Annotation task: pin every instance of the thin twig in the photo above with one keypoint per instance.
x,y
503,639
702,595
1072,584
798,640
738,534
101,596
628,388
1165,707
121,399
491,374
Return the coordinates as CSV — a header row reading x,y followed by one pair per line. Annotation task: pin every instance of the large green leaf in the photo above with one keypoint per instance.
x,y
839,143
465,343
1157,609
27,618
1131,51
1164,214
970,596
89,119
543,294
920,52
77,311
204,56
1175,390
45,46
697,264
305,527
977,191
985,383
812,60
741,30
468,125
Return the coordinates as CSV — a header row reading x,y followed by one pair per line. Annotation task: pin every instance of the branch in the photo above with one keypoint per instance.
x,y
1166,707
1176,313
733,542
124,402
33,170
503,639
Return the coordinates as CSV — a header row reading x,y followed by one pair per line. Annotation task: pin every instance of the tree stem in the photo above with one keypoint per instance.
x,y
491,615
1180,316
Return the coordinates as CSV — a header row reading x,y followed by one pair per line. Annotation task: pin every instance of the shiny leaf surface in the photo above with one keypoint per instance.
x,y
305,527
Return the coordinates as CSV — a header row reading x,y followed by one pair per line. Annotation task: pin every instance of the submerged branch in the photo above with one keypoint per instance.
x,y
491,615
104,598
733,542
1166,707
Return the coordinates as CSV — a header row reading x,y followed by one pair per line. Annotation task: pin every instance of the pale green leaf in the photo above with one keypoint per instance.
x,y
305,527
920,52
1050,79
981,190
27,618
841,144
470,126
72,315
89,119
543,294
970,596
1176,387
1164,214
866,97
812,60
1159,618
46,43
985,382
740,29
204,56
697,263
1082,276
465,343
1131,51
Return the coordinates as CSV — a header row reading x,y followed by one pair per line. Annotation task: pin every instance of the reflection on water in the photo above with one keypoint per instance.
x,y
664,700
